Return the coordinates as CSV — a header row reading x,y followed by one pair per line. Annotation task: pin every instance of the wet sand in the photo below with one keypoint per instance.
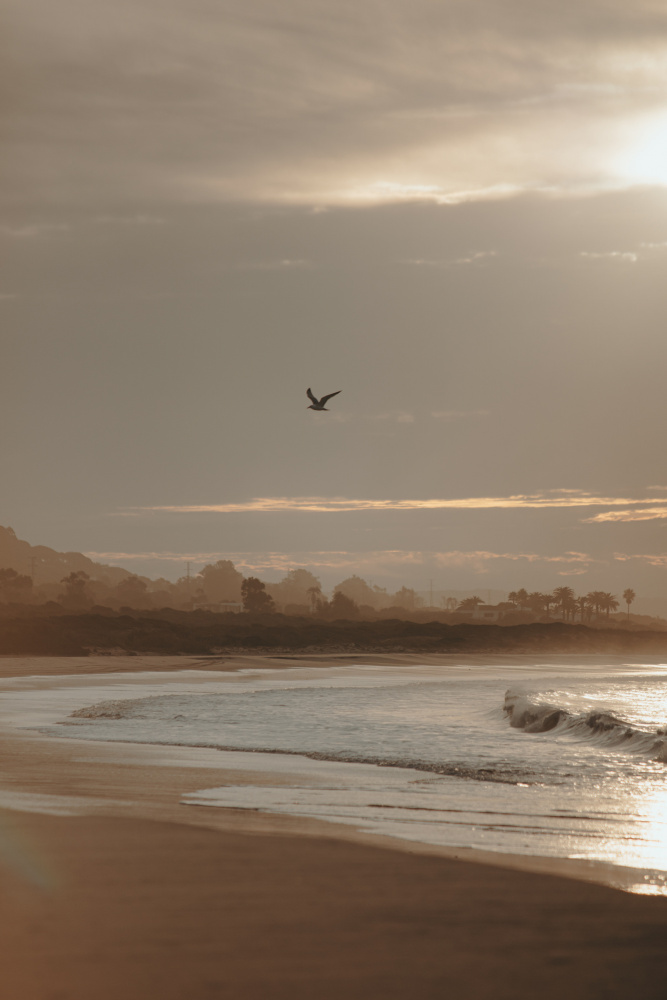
x,y
133,895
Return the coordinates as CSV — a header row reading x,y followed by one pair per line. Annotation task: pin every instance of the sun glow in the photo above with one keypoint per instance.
x,y
644,159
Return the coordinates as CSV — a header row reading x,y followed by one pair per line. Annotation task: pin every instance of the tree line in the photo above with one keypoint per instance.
x,y
221,586
562,601
217,586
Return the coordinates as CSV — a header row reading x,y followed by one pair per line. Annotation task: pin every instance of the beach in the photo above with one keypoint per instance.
x,y
110,887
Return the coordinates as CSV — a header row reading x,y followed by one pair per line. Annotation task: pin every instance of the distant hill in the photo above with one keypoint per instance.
x,y
45,565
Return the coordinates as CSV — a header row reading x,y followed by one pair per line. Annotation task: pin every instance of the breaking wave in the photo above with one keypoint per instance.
x,y
236,725
595,726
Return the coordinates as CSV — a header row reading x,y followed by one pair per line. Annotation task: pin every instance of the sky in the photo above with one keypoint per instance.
x,y
452,211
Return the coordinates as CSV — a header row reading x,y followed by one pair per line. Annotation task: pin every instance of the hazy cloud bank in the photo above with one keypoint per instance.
x,y
322,104
369,562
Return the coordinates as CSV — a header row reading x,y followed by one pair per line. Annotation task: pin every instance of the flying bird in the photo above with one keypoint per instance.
x,y
320,404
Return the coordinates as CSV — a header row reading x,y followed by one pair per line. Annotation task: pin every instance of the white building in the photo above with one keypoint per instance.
x,y
487,612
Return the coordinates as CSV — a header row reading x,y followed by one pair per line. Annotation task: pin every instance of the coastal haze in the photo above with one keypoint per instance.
x,y
366,703
455,214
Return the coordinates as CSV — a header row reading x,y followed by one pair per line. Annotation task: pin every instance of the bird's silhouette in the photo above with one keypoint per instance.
x,y
320,404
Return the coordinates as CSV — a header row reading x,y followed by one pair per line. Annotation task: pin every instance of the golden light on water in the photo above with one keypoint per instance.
x,y
652,853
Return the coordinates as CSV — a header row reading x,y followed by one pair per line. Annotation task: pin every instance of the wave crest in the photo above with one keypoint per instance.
x,y
597,725
125,709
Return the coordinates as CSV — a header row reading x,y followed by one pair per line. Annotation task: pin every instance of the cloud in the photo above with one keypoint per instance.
x,y
617,516
369,562
34,229
394,191
473,257
574,563
624,256
183,557
283,264
459,414
397,416
546,499
653,559
644,251
37,230
315,103
476,256
129,220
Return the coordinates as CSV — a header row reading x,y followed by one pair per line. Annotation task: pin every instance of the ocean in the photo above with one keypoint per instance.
x,y
564,759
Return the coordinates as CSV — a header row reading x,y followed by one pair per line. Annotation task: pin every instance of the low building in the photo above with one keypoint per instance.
x,y
487,612
220,607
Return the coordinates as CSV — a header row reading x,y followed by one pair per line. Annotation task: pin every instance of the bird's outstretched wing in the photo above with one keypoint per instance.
x,y
311,397
330,396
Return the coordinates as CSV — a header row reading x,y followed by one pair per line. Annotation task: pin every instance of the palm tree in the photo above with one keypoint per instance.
x,y
584,607
570,608
629,596
522,597
563,597
547,600
596,599
470,603
609,603
534,601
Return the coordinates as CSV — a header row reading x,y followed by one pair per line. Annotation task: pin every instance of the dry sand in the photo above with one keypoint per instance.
x,y
135,896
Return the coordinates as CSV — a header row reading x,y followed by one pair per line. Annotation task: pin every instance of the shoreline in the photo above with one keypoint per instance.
x,y
120,800
213,766
24,664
